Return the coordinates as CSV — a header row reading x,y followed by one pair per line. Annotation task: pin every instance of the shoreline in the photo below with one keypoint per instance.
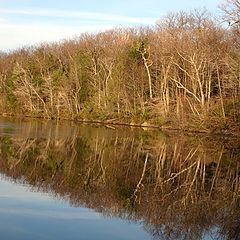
x,y
144,126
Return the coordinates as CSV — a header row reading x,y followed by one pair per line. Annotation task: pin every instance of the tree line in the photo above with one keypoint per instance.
x,y
184,72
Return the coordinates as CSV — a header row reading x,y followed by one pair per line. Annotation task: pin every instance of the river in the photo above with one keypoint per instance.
x,y
61,180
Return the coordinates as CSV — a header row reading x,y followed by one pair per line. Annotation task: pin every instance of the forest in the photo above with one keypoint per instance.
x,y
183,73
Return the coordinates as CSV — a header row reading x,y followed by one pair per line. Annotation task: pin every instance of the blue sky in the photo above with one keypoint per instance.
x,y
29,22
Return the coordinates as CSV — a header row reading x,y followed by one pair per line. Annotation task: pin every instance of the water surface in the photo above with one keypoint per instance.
x,y
67,181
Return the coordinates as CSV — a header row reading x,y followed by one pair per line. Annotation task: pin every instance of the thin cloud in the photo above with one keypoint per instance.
x,y
57,25
79,15
51,214
15,35
3,20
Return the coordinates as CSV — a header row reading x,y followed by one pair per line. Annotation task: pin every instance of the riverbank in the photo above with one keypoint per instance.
x,y
232,131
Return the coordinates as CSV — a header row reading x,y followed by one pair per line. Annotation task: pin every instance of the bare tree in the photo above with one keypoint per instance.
x,y
232,12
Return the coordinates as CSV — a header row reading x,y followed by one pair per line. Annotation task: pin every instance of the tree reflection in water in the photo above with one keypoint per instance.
x,y
181,187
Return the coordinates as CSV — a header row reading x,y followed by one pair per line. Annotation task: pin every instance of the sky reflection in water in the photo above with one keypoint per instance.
x,y
33,215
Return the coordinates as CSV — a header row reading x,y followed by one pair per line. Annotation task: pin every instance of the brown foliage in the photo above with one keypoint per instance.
x,y
180,68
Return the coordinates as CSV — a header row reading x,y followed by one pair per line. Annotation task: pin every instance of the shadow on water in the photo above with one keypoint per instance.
x,y
180,187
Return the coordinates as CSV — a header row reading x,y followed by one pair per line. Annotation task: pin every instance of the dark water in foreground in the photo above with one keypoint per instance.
x,y
63,181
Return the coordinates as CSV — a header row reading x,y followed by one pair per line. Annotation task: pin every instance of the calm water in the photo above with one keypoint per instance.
x,y
67,181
